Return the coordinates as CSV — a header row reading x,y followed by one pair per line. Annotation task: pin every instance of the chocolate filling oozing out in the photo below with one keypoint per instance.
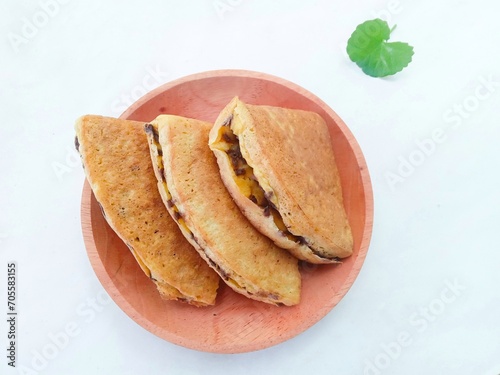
x,y
155,141
245,176
151,131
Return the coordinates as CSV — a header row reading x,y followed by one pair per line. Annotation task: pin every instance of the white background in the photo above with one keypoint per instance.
x,y
427,299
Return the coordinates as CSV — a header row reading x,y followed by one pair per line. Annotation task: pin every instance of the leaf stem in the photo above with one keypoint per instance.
x,y
390,32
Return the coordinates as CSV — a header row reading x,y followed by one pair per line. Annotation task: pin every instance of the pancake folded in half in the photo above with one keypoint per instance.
x,y
278,165
194,194
115,156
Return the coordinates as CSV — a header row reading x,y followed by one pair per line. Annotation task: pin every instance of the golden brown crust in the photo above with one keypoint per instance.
x,y
115,155
292,158
248,261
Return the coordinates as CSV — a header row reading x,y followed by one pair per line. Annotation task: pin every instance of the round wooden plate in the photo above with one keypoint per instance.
x,y
235,324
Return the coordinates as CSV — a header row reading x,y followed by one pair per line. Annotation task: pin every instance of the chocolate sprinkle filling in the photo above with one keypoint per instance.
x,y
236,157
162,173
302,241
239,171
227,138
77,144
149,128
177,215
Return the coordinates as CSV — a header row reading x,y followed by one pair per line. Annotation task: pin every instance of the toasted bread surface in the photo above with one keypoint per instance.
x,y
248,262
117,163
290,155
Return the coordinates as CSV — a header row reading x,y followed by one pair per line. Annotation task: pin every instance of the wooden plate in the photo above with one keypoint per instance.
x,y
235,324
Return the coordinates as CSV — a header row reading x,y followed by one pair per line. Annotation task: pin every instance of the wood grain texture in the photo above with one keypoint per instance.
x,y
235,324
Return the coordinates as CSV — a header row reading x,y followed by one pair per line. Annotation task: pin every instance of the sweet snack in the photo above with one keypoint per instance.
x,y
279,166
194,194
115,156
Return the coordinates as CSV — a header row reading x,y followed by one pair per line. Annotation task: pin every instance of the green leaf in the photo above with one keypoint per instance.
x,y
369,49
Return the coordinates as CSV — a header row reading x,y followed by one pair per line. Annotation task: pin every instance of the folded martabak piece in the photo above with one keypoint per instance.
x,y
115,156
193,192
279,166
